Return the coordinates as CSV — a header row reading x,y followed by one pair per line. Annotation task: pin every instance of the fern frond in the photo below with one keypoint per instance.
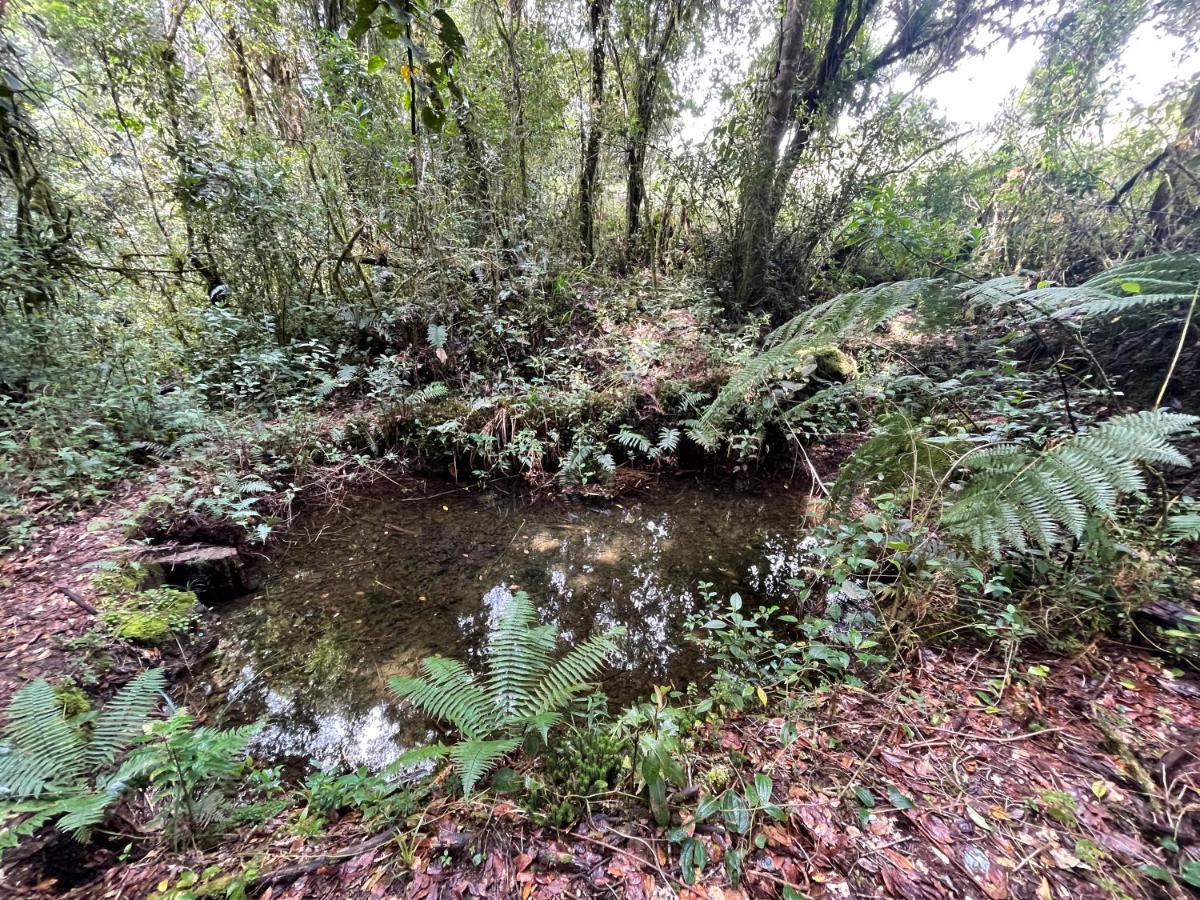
x,y
995,291
571,674
80,814
668,440
121,720
1154,281
631,440
435,390
845,315
448,692
475,758
414,757
1028,498
518,655
42,752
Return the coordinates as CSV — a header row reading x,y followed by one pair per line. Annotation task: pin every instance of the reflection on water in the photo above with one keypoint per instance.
x,y
385,581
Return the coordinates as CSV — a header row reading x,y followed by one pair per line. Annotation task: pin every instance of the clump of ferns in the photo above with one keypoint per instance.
x,y
524,692
1051,518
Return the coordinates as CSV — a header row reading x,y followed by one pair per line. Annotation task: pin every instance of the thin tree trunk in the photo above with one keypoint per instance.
x,y
508,35
645,94
757,219
598,20
241,74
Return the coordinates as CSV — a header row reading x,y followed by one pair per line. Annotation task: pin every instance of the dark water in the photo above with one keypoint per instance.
x,y
376,586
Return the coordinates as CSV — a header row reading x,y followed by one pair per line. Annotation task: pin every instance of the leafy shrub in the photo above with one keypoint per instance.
x,y
187,770
72,770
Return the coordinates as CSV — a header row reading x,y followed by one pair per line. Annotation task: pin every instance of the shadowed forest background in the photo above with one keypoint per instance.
x,y
256,257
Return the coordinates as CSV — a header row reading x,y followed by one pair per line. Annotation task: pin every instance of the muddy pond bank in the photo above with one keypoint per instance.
x,y
368,589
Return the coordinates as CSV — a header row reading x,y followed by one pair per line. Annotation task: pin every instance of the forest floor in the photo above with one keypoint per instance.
x,y
1064,786
964,801
967,775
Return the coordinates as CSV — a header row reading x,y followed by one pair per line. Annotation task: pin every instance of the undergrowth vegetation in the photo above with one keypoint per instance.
x,y
253,253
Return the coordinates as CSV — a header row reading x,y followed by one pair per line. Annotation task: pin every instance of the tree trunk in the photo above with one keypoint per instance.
x,y
508,35
756,224
1176,164
598,19
241,74
645,93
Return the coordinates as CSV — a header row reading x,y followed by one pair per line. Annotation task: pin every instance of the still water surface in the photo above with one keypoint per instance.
x,y
373,587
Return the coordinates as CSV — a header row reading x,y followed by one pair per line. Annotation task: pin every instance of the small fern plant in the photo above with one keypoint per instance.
x,y
1024,498
186,770
523,693
55,769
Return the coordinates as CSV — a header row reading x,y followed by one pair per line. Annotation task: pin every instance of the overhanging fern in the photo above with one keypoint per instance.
x,y
846,315
1027,498
524,689
1158,280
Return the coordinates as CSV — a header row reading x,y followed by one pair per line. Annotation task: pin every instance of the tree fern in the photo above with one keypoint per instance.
x,y
523,690
1027,498
1153,281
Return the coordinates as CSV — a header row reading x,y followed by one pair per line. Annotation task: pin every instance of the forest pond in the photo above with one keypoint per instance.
x,y
369,589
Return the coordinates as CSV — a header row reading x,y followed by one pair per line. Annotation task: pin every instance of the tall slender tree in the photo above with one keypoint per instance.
x,y
822,58
598,29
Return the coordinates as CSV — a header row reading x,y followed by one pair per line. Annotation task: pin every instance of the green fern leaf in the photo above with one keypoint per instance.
x,y
518,656
122,718
1153,281
572,674
474,759
449,693
42,752
1027,498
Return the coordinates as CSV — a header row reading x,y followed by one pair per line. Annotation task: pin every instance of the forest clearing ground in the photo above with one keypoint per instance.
x,y
36,616
921,791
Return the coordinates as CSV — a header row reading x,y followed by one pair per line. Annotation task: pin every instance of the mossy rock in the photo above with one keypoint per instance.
x,y
151,617
831,362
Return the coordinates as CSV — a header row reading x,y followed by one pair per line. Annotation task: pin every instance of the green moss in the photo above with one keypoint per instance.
x,y
831,362
326,661
718,777
150,617
71,698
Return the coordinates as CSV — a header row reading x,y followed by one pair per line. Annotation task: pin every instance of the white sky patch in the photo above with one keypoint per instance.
x,y
973,93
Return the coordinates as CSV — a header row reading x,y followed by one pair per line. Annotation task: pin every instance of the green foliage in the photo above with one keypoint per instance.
x,y
760,651
72,770
187,771
1025,498
584,763
63,770
523,693
818,329
147,617
374,795
1160,280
